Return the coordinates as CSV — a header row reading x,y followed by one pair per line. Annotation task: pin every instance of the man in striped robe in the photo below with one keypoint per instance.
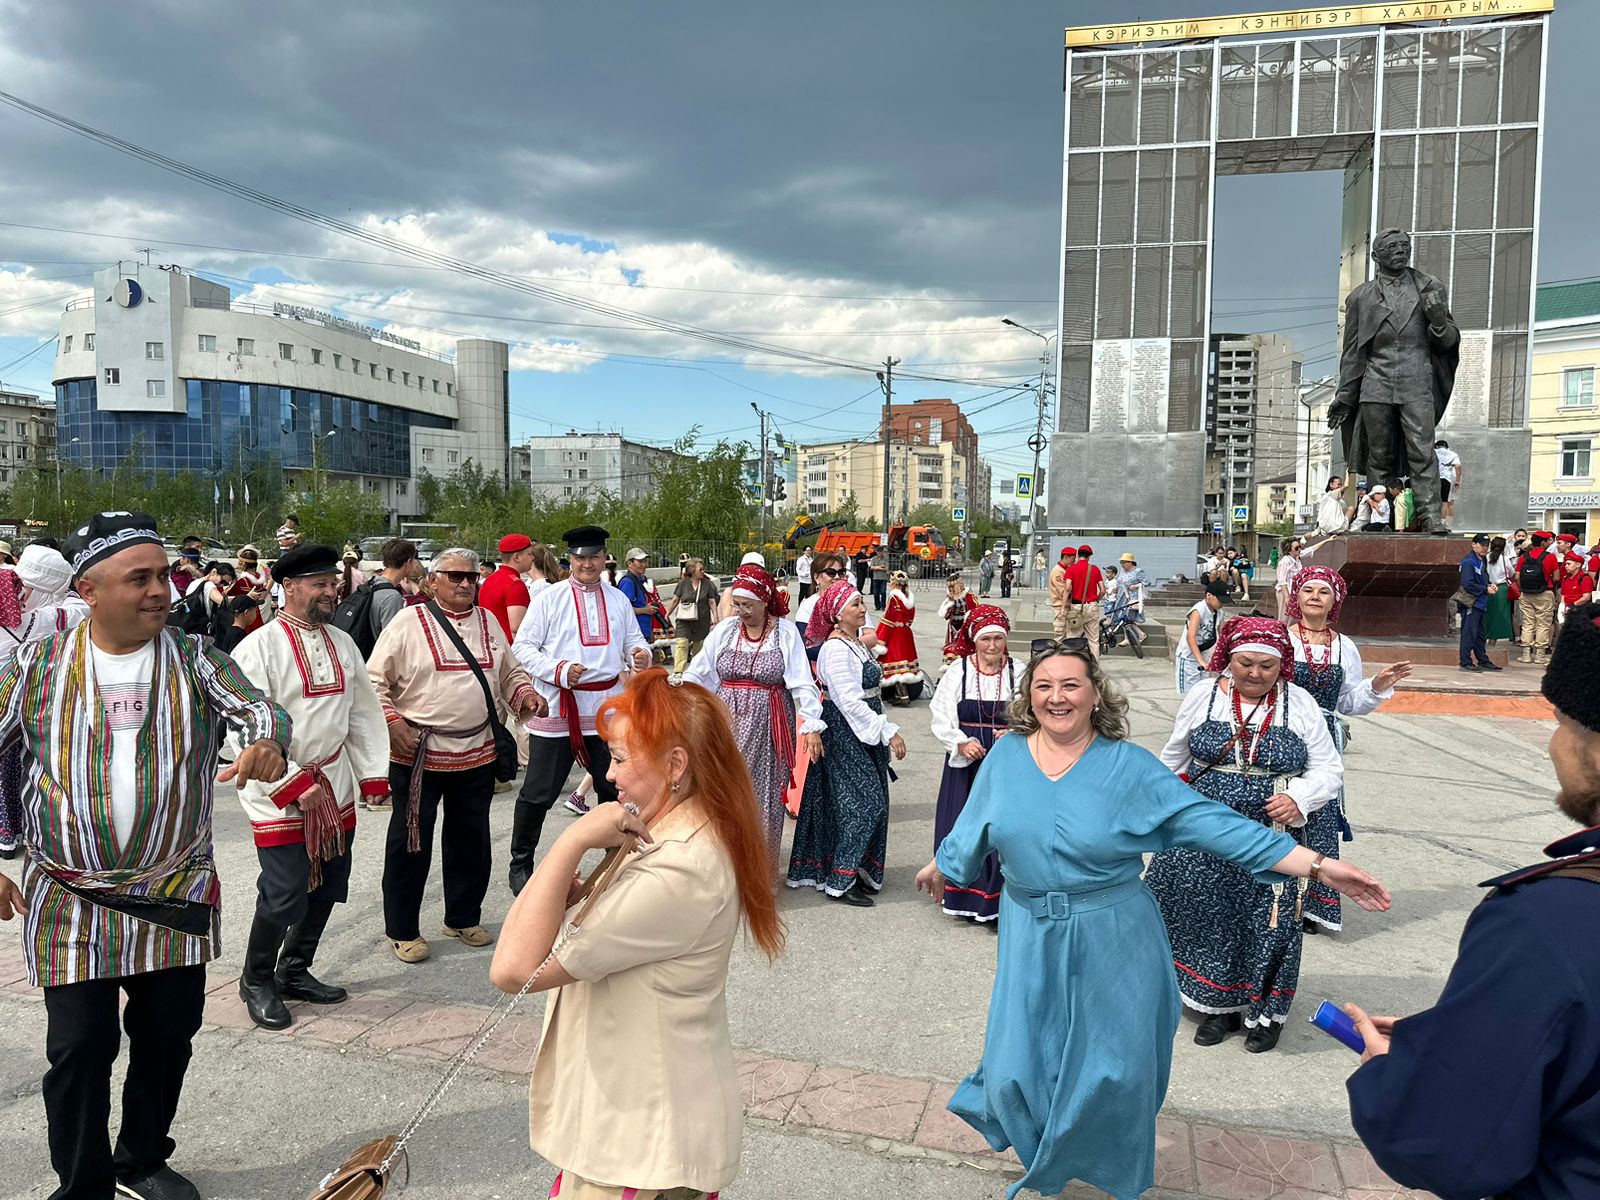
x,y
121,719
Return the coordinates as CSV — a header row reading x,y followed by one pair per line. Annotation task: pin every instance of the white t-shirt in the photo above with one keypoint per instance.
x,y
123,681
1449,463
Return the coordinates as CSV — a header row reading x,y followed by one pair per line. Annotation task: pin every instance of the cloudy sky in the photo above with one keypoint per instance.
x,y
842,179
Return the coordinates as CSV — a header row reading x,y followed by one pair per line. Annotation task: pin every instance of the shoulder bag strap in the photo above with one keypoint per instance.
x,y
471,659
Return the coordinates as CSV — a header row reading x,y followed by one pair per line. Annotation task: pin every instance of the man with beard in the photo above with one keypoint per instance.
x,y
305,822
120,719
1495,1090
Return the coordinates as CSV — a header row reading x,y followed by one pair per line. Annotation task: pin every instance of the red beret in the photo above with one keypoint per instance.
x,y
1541,535
1567,537
1085,551
512,542
1068,550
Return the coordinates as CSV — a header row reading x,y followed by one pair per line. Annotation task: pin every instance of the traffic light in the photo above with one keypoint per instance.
x,y
778,493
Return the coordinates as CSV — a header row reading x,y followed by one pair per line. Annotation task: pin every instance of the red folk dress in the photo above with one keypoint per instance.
x,y
900,644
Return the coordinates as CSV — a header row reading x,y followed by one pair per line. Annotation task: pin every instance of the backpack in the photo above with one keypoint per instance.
x,y
1530,574
192,613
354,616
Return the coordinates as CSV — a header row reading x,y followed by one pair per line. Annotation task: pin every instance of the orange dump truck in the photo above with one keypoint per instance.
x,y
918,550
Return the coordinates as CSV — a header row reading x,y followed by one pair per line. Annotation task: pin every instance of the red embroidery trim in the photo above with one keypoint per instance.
x,y
312,688
603,637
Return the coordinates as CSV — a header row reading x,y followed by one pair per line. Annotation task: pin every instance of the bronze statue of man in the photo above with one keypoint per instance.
x,y
1396,372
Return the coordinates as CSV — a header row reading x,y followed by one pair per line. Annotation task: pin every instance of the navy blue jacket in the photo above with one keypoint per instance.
x,y
1495,1090
632,586
1475,579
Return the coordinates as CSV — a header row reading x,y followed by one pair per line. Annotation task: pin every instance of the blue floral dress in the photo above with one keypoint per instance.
x,y
1235,942
1326,827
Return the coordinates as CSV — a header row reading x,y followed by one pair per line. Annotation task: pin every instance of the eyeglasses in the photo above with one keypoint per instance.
x,y
458,577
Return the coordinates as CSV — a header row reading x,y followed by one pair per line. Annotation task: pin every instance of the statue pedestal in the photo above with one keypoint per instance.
x,y
1400,583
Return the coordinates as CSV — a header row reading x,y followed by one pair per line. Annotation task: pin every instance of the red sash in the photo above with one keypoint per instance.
x,y
569,710
782,733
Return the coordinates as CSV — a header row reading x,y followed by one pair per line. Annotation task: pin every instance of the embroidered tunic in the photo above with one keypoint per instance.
x,y
420,677
50,704
568,623
315,672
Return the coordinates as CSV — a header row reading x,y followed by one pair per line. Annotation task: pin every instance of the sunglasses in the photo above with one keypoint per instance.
x,y
1041,646
458,577
833,571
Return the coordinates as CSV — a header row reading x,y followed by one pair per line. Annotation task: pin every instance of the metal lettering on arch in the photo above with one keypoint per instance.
x,y
1436,129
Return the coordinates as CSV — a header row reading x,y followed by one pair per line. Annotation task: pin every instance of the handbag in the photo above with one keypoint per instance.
x,y
1464,598
367,1174
506,764
688,610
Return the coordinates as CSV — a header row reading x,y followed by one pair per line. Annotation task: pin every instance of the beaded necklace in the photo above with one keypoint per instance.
x,y
754,642
1318,670
997,676
1247,741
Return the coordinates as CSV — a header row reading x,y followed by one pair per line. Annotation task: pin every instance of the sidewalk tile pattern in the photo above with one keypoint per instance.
x,y
1194,1159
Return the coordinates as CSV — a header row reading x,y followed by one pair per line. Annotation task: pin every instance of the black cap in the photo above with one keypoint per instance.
x,y
1574,665
585,539
106,534
1218,588
299,561
1480,539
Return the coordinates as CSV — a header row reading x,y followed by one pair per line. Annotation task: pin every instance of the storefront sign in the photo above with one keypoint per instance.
x,y
1301,20
1563,500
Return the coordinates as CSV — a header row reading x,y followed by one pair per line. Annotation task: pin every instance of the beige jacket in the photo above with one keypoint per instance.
x,y
635,1084
1058,586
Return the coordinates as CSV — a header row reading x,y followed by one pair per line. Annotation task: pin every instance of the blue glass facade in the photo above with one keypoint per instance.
x,y
229,424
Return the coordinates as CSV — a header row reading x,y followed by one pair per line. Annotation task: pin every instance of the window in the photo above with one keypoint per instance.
x,y
1575,454
66,344
389,374
374,485
1577,387
449,389
435,382
373,368
583,472
1575,522
452,457
208,343
400,488
286,350
113,375
155,351
583,456
427,454
155,388
88,341
316,356
566,491
22,454
338,361
247,345
355,365
407,377
566,473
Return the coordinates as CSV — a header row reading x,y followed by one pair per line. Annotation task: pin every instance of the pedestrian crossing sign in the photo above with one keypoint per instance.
x,y
958,515
1241,512
1025,487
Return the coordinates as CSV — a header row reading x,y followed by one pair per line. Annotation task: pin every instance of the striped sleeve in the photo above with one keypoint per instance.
x,y
241,703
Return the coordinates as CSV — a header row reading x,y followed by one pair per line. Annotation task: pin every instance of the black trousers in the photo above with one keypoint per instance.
x,y
550,761
81,1044
464,846
281,895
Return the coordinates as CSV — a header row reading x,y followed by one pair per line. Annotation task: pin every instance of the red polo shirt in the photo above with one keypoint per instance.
x,y
1086,581
501,592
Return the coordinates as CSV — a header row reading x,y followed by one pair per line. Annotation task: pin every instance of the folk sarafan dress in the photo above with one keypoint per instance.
x,y
1236,942
1078,1047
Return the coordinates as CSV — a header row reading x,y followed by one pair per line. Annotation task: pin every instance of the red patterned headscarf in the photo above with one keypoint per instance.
x,y
982,619
827,608
1261,635
757,583
10,598
1324,575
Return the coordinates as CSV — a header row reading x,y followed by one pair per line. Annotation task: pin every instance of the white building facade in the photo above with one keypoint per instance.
x,y
163,368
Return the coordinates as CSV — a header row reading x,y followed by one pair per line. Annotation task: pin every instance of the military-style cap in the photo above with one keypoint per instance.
x,y
299,561
585,541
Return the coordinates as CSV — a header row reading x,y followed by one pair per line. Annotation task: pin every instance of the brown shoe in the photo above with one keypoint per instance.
x,y
474,935
414,950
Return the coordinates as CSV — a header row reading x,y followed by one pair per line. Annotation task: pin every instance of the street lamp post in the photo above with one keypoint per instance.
x,y
1036,442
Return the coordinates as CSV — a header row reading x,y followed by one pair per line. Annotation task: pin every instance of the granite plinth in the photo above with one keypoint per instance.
x,y
1400,583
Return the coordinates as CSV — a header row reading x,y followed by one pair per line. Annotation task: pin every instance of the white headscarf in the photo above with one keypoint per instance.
x,y
47,574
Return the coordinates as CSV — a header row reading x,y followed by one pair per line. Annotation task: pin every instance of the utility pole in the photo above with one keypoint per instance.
x,y
886,382
1037,442
763,473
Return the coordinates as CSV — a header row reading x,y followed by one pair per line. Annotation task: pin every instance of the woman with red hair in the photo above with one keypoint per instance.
x,y
756,664
634,1090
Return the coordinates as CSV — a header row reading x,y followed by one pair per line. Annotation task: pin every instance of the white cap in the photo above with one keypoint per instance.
x,y
755,557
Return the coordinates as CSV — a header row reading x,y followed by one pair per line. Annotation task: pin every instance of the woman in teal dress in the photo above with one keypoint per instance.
x,y
1078,1047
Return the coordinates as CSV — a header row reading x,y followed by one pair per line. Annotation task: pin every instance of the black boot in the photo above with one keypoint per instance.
x,y
258,987
527,823
1217,1027
1263,1037
295,980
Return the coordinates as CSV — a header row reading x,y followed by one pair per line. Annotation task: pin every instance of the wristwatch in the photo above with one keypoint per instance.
x,y
1316,868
